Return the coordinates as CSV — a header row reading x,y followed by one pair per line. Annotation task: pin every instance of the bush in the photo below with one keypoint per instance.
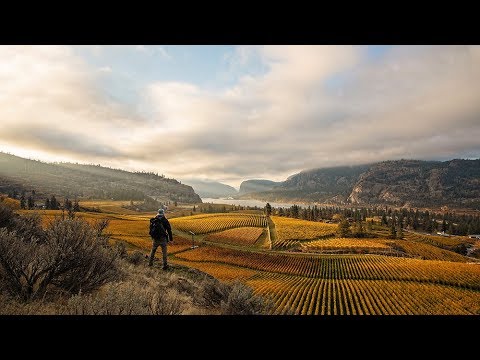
x,y
211,292
125,299
29,226
73,256
6,215
242,301
136,257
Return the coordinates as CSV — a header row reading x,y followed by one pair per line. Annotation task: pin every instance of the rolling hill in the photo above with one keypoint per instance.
x,y
87,181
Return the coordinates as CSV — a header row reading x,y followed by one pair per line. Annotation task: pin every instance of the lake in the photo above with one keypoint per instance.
x,y
248,202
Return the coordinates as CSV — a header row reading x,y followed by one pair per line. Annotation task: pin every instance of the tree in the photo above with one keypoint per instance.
x,y
54,203
400,232
194,208
359,231
22,202
67,205
370,226
343,228
76,206
450,228
268,209
384,220
175,203
47,203
393,232
30,203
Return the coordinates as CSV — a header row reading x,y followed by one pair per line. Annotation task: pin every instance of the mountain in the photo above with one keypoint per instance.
x,y
87,181
211,189
417,183
411,183
250,186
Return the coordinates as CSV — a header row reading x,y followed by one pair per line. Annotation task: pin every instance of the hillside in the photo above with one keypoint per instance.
x,y
210,189
250,186
413,183
87,181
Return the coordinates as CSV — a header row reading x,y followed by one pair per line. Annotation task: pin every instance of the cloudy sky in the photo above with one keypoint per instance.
x,y
232,113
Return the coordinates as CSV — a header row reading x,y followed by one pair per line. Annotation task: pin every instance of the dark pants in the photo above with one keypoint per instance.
x,y
155,245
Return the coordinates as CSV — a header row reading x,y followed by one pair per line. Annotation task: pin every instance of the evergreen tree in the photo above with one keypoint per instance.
x,y
47,203
399,232
384,220
76,206
194,209
268,209
67,204
450,229
359,231
30,203
22,202
54,203
369,226
444,225
393,232
343,228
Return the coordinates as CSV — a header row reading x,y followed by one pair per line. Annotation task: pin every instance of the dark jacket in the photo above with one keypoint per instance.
x,y
167,226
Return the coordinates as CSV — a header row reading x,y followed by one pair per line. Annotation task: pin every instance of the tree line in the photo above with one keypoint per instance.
x,y
448,222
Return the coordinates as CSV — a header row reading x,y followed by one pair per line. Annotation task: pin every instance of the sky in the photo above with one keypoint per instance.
x,y
232,113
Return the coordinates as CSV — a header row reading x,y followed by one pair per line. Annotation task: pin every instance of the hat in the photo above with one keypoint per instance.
x,y
161,212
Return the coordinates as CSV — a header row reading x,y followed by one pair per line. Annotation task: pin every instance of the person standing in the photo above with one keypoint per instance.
x,y
161,233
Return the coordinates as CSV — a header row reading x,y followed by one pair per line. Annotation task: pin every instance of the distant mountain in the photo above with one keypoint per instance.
x,y
410,183
211,189
250,186
87,181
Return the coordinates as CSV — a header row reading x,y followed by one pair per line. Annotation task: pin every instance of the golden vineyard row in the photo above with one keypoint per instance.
x,y
365,267
307,296
207,224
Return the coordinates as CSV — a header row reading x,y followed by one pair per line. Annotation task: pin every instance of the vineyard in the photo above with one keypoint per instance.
x,y
245,236
318,296
291,231
324,275
355,267
204,224
347,244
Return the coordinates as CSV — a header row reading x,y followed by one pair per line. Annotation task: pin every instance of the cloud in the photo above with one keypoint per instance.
x,y
312,106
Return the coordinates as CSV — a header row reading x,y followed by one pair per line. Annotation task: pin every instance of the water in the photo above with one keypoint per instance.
x,y
248,202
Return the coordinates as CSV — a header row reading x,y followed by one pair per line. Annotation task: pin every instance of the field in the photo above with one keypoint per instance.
x,y
291,231
246,236
327,276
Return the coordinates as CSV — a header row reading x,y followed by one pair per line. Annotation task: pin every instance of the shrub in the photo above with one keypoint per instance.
x,y
242,301
136,257
164,302
125,299
72,256
211,292
6,215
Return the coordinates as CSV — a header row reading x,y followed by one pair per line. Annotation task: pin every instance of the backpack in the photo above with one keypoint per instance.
x,y
157,230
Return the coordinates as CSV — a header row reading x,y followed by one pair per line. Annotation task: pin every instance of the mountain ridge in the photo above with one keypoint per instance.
x,y
410,183
88,181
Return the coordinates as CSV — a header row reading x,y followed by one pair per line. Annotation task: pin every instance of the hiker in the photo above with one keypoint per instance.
x,y
161,233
